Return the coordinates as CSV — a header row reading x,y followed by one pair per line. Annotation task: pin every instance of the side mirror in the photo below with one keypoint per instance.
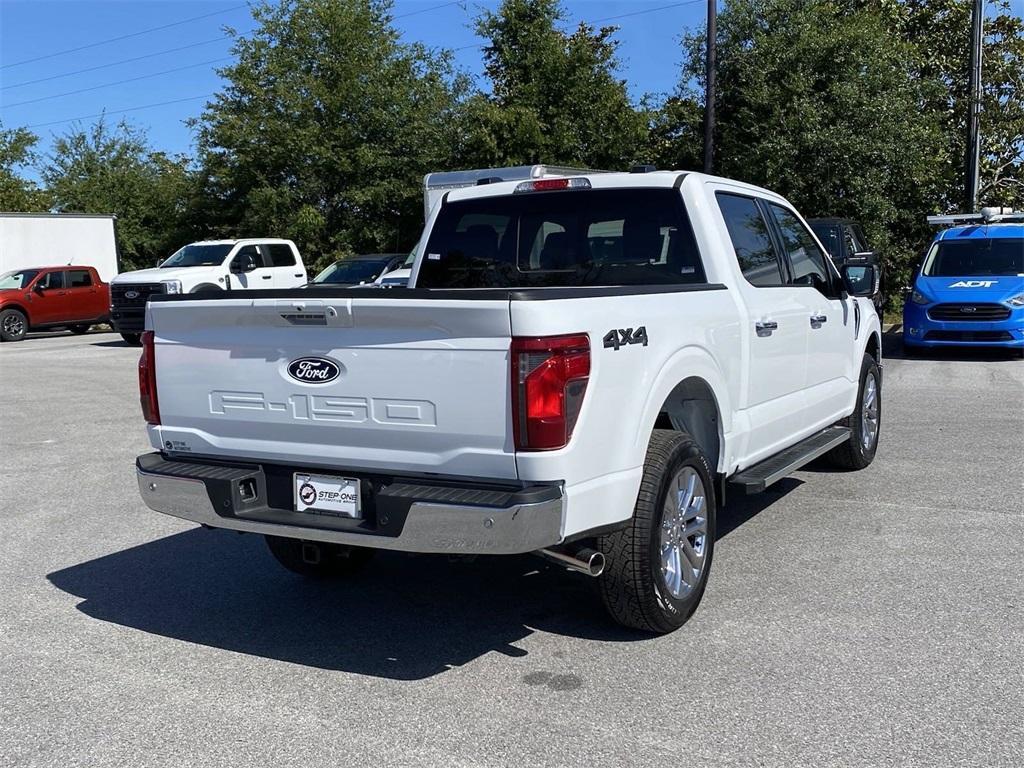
x,y
860,279
243,264
39,287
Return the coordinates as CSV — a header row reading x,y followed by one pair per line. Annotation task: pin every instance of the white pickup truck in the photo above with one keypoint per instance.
x,y
582,365
210,265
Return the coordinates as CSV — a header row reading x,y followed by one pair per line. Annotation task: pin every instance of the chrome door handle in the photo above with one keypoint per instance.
x,y
817,320
766,327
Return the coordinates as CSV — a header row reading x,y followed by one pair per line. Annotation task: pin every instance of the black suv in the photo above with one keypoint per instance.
x,y
845,242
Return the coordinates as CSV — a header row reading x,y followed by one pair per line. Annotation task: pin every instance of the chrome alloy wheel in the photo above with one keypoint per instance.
x,y
14,324
869,413
684,533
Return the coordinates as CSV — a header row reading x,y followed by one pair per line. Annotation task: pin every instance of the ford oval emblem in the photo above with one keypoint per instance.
x,y
313,370
131,294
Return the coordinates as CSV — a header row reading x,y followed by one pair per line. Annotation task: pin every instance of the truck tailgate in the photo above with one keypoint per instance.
x,y
422,385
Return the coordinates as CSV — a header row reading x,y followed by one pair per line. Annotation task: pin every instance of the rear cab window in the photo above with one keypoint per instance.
x,y
596,237
79,278
278,255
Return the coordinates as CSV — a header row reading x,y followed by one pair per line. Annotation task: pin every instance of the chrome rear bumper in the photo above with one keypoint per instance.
x,y
528,520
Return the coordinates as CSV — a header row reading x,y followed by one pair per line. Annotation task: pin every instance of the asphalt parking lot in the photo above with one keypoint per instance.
x,y
872,618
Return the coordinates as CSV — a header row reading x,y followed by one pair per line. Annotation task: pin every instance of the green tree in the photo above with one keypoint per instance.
x,y
938,33
17,153
821,102
326,128
100,169
554,97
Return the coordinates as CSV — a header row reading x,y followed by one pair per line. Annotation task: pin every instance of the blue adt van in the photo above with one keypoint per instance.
x,y
969,290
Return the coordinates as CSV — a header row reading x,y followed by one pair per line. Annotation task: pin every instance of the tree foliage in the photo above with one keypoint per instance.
x,y
17,153
100,169
554,97
857,109
326,127
328,122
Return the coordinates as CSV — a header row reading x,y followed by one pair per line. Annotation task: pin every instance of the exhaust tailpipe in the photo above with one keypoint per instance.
x,y
585,560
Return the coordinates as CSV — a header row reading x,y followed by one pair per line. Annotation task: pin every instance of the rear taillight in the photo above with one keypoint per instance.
x,y
549,379
147,380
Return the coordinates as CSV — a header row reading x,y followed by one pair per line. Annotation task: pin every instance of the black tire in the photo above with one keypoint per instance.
x,y
13,325
854,453
318,560
79,329
135,339
632,586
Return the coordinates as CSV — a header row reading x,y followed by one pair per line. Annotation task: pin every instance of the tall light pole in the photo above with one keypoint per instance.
x,y
973,158
709,87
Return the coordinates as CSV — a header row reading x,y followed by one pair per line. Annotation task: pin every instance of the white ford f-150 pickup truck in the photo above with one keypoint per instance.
x,y
581,368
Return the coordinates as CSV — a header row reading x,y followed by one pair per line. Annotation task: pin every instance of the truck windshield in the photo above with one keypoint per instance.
x,y
562,238
1003,256
17,280
199,256
351,272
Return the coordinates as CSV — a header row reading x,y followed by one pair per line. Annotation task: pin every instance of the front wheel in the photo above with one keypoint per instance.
x,y
316,559
13,325
658,566
135,339
864,423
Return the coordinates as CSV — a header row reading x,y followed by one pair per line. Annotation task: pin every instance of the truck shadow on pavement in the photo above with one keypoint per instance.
x,y
405,617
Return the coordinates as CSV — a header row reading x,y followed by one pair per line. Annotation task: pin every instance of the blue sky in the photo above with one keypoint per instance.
x,y
32,30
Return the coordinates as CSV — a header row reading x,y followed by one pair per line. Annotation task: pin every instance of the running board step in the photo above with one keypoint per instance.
x,y
758,477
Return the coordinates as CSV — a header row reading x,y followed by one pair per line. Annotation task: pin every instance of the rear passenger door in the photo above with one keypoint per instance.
x,y
775,334
86,302
827,318
287,273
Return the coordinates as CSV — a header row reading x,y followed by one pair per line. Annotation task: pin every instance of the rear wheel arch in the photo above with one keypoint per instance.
x,y
692,407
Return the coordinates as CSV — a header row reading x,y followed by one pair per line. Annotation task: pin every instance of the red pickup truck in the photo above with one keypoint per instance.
x,y
49,297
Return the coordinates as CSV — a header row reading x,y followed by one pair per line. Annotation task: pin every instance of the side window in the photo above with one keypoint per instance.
x,y
749,234
806,260
278,255
79,278
52,280
859,239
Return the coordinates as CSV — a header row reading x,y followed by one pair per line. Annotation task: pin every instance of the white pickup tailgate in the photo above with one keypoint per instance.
x,y
423,385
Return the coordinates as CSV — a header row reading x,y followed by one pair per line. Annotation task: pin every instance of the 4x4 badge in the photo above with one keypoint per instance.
x,y
618,337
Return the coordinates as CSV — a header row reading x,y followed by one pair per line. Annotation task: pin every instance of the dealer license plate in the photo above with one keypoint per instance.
x,y
327,495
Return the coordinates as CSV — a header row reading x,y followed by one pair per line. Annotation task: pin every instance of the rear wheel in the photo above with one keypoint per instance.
x,y
865,422
135,339
657,568
80,329
317,559
13,325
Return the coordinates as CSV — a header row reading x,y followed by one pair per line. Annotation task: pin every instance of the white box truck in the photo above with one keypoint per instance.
x,y
58,239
